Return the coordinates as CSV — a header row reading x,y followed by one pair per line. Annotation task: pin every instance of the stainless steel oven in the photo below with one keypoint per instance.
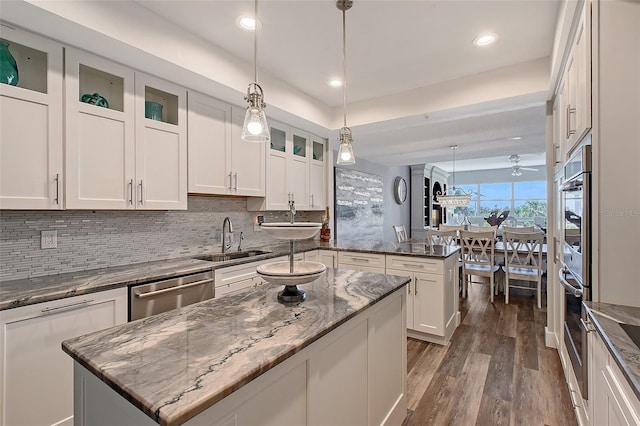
x,y
576,204
575,275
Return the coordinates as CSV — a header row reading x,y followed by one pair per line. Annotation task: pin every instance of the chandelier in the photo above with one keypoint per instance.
x,y
455,197
345,152
255,127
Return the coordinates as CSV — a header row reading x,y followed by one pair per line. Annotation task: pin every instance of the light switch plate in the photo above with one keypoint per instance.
x,y
48,239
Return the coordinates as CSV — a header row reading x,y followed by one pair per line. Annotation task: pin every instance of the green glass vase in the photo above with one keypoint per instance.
x,y
8,66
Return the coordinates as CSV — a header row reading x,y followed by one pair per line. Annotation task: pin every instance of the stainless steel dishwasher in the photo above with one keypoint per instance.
x,y
164,295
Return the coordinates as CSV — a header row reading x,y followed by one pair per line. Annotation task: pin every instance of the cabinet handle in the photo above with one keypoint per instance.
x,y
311,196
141,193
409,287
235,176
69,306
360,259
415,286
229,181
170,289
569,112
131,192
57,188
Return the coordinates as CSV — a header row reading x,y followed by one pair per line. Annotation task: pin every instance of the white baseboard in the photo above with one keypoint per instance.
x,y
550,338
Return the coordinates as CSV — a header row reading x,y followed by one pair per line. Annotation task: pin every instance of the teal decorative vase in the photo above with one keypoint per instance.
x,y
8,66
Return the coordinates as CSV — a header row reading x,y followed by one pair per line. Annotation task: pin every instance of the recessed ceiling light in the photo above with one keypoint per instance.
x,y
335,83
247,23
516,138
485,39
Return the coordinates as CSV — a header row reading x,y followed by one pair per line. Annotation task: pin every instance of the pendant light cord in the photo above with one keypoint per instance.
x,y
344,65
255,42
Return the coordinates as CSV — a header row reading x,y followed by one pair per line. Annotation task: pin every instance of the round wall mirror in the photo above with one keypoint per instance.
x,y
400,190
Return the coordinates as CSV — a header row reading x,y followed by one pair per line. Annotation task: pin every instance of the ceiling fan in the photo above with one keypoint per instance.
x,y
516,168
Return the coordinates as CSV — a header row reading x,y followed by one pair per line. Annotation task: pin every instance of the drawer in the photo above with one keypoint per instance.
x,y
361,259
415,264
237,286
231,274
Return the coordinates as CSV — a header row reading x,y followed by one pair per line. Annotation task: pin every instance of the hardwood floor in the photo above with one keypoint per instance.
x,y
495,371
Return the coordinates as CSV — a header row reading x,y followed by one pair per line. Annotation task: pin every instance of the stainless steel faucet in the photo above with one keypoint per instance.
x,y
226,245
292,207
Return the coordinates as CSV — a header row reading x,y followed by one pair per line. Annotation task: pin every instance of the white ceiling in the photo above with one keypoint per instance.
x,y
393,47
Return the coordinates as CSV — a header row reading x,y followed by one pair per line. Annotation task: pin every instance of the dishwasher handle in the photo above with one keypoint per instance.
x,y
139,295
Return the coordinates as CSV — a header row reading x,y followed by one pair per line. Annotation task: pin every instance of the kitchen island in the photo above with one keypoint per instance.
x,y
338,356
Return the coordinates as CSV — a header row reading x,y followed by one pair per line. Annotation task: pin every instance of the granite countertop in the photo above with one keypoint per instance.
x,y
174,365
30,291
607,319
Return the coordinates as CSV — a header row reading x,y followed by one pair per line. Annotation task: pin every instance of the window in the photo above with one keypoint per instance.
x,y
526,202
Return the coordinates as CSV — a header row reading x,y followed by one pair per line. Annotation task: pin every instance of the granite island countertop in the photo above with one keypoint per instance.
x,y
607,319
28,291
174,365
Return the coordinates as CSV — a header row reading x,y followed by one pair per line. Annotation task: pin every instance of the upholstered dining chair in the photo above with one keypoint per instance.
x,y
523,261
478,257
401,233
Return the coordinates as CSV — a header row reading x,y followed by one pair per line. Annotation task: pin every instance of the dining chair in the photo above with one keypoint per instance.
x,y
523,261
478,257
442,237
445,227
474,228
518,228
401,233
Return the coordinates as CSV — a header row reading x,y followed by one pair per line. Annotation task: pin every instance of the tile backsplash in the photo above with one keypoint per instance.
x,y
98,239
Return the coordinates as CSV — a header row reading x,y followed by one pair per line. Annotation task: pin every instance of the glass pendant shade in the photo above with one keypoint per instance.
x,y
345,154
255,128
345,151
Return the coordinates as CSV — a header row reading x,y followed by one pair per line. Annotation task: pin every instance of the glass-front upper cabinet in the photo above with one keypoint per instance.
x,y
31,148
100,134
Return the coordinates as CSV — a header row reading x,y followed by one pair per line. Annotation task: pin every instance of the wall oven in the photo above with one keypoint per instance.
x,y
575,275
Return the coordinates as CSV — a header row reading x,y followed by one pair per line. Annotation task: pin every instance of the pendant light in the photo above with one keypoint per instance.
x,y
255,127
456,197
345,152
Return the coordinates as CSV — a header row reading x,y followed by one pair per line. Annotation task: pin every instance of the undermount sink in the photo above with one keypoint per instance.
x,y
292,231
223,257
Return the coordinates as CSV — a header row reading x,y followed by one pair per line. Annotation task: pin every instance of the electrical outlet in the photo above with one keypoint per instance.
x,y
48,239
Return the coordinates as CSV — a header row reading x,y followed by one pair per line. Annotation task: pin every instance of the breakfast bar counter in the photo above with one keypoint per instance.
x,y
188,363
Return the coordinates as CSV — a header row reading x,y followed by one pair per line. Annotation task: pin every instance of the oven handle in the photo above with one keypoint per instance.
x,y
170,289
577,292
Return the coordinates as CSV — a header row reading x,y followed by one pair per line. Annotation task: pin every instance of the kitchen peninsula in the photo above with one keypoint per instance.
x,y
246,358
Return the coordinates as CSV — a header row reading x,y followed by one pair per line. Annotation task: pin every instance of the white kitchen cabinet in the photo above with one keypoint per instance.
x,y
366,262
248,161
36,375
572,107
99,142
290,171
317,174
31,132
432,295
356,374
116,158
612,400
219,161
312,256
161,145
328,258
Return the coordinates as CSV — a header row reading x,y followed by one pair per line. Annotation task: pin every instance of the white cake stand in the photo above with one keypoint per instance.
x,y
280,273
291,273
